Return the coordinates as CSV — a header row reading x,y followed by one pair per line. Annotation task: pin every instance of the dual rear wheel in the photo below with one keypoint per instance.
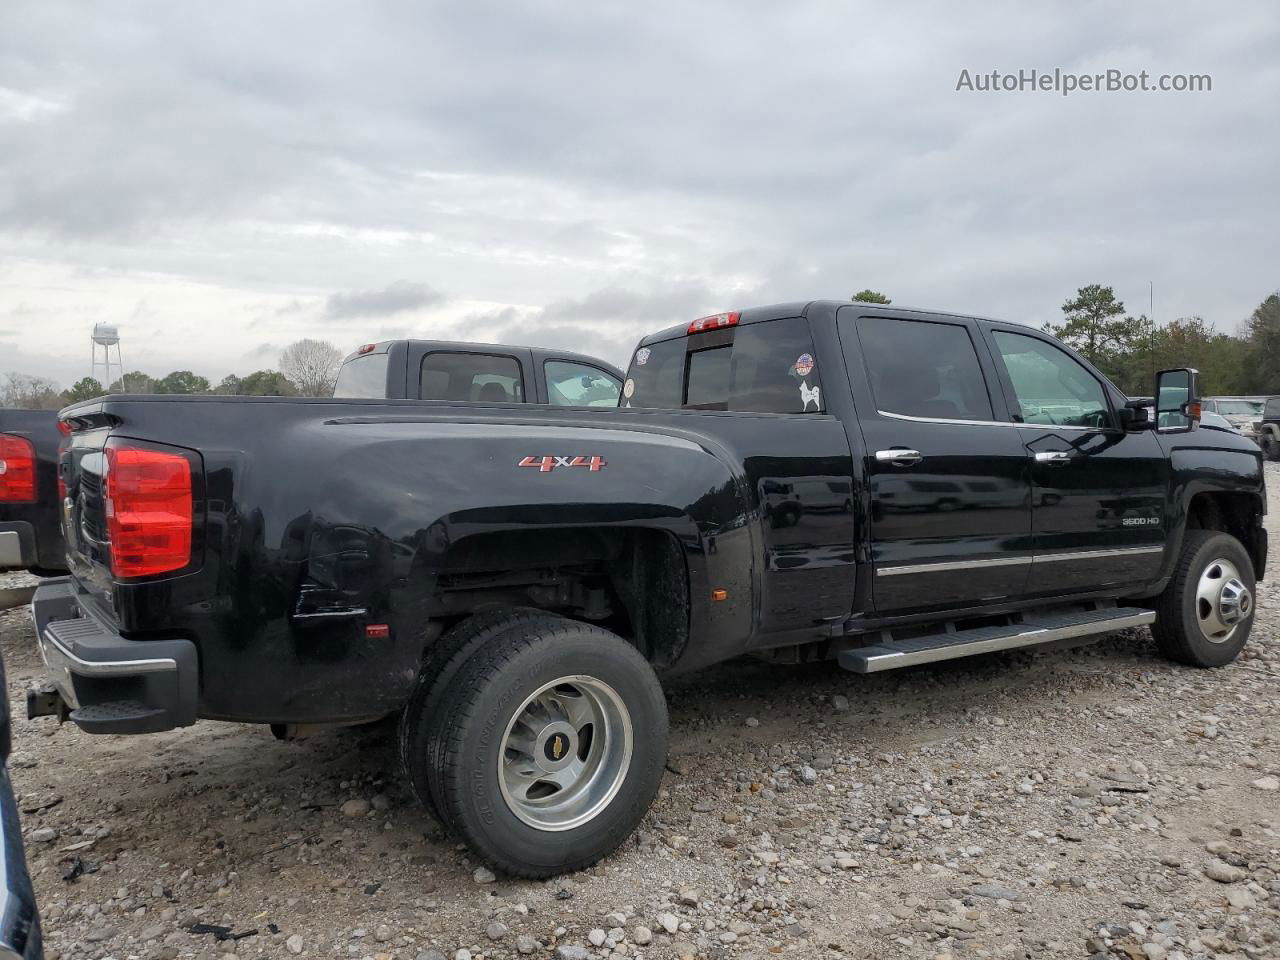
x,y
540,741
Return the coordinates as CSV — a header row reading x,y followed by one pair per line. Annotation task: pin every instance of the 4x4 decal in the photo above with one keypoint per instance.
x,y
546,464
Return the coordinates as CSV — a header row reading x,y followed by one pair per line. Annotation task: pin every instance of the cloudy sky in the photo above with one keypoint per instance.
x,y
222,179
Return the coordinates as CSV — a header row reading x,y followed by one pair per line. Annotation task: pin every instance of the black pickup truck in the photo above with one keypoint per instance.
x,y
878,486
30,529
30,532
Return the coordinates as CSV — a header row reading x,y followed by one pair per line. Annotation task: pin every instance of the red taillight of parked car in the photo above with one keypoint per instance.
x,y
17,469
150,509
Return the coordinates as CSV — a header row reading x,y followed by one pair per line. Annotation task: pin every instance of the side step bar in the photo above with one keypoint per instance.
x,y
1035,630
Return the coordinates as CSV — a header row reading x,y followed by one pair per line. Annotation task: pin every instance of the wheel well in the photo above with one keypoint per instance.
x,y
630,580
1233,513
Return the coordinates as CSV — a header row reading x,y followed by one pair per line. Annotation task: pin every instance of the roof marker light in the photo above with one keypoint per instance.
x,y
714,322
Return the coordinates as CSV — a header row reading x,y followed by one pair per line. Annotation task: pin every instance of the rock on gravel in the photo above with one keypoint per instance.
x,y
1223,872
1267,783
358,807
294,943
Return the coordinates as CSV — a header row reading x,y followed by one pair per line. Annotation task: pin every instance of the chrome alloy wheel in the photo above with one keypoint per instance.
x,y
1222,601
566,753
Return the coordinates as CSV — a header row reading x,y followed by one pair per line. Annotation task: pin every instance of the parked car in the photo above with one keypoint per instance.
x,y
477,372
1240,412
19,918
1267,429
512,581
1218,422
30,528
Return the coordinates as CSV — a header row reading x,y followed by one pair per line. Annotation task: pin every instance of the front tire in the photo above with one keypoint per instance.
x,y
549,747
1205,614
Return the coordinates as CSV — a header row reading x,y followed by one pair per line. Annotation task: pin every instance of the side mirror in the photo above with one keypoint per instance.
x,y
1135,416
1177,400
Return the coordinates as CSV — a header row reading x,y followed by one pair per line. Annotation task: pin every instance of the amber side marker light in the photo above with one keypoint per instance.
x,y
718,595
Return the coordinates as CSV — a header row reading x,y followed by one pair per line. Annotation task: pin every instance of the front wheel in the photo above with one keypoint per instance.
x,y
1204,616
547,748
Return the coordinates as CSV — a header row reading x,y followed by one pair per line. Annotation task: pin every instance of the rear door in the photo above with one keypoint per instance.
x,y
491,375
948,475
1098,493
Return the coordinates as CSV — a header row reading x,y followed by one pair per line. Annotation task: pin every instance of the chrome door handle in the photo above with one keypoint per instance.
x,y
899,455
1055,457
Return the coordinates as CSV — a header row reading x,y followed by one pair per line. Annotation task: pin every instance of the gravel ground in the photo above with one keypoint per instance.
x,y
1097,801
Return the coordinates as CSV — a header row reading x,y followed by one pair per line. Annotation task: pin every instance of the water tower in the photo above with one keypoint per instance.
x,y
105,336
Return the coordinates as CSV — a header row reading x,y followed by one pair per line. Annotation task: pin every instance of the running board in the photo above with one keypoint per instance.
x,y
1032,632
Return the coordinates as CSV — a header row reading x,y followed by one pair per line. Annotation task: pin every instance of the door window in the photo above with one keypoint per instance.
x,y
1051,387
924,369
578,385
484,377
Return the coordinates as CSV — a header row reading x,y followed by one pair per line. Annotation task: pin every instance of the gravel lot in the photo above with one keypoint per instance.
x,y
1093,801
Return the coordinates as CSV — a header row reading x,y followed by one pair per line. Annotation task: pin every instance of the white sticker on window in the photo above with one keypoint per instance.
x,y
807,395
642,356
628,388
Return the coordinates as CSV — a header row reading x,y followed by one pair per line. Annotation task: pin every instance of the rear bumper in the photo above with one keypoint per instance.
x,y
108,683
19,921
17,545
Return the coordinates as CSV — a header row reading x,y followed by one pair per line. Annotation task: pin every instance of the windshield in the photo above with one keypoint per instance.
x,y
1239,408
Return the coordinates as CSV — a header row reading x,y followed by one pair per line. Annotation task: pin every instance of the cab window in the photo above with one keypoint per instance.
x,y
923,369
474,377
1050,386
572,384
765,367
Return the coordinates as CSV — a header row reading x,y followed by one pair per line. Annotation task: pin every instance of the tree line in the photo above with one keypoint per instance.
x,y
307,368
1130,349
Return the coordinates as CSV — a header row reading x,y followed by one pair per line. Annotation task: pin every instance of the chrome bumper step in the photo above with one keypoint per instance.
x,y
1035,630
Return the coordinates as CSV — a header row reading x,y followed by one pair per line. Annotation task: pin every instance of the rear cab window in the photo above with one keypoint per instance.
x,y
363,377
471,378
762,367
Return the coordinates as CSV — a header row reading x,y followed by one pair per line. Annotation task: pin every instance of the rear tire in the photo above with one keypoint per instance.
x,y
1270,447
1204,616
548,749
439,668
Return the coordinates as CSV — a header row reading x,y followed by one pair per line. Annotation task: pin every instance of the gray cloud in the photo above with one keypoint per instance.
x,y
608,171
399,297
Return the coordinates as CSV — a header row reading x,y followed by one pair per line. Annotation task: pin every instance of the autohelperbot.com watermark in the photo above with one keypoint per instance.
x,y
1065,82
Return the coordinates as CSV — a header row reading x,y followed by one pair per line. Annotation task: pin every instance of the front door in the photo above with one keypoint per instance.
x,y
948,475
1098,493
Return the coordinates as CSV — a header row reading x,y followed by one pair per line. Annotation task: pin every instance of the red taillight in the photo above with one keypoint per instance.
x,y
17,469
715,322
366,348
149,510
